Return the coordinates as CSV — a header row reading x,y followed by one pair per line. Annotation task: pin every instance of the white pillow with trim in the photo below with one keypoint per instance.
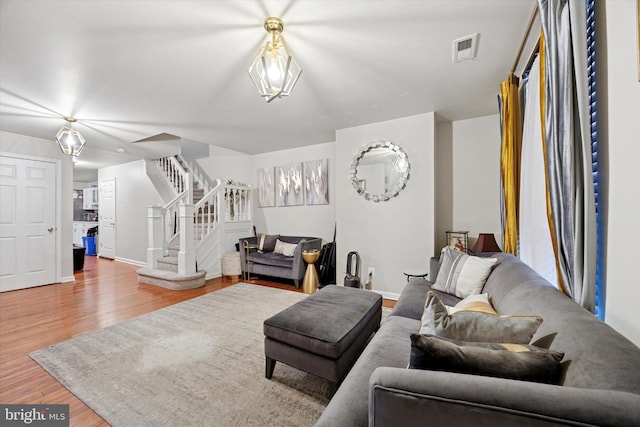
x,y
461,274
284,248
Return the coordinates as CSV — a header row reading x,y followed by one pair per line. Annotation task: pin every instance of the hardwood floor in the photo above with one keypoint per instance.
x,y
105,293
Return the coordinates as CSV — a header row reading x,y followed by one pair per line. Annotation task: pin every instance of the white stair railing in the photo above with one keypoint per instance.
x,y
194,225
207,212
199,175
176,175
238,206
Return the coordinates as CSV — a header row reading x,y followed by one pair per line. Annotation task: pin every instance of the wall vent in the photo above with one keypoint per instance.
x,y
465,48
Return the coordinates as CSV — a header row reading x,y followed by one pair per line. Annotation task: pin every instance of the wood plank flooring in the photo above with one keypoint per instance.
x,y
105,293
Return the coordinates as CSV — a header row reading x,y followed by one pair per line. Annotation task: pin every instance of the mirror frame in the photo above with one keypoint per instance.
x,y
399,186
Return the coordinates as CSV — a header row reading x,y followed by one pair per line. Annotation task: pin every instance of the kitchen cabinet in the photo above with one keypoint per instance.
x,y
90,198
80,229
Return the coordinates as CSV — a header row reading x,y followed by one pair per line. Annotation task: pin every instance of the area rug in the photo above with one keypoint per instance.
x,y
199,362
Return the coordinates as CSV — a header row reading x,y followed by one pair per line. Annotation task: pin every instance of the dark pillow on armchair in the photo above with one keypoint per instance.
x,y
267,242
513,361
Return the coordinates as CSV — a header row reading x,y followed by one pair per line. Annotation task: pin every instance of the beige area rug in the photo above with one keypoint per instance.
x,y
196,363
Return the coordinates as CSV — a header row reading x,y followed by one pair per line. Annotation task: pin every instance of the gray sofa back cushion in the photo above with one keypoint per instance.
x,y
294,239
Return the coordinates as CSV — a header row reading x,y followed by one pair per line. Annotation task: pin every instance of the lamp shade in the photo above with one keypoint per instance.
x,y
274,70
486,243
70,140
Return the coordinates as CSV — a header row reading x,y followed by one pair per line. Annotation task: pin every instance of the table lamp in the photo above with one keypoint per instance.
x,y
486,243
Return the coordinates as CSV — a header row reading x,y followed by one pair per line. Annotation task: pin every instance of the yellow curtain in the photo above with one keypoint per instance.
x,y
543,116
510,161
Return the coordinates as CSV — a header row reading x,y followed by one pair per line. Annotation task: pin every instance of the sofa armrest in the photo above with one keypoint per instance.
x,y
409,397
299,266
253,240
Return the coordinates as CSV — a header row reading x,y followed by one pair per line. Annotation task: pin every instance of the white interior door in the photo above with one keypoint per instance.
x,y
107,215
27,223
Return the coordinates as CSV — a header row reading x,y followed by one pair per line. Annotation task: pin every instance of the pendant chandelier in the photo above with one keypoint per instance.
x,y
70,140
274,70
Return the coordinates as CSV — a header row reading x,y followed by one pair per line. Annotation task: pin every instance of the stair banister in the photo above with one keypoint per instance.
x,y
155,246
199,174
187,253
178,177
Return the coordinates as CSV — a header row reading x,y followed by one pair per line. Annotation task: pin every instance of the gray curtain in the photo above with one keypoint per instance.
x,y
568,148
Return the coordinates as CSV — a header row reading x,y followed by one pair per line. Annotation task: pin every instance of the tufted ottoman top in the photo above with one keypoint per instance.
x,y
327,322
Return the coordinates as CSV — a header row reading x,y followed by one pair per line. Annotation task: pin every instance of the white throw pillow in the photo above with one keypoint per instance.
x,y
461,274
283,248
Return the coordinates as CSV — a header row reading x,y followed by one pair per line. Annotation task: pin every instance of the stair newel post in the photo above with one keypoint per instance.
x,y
189,184
187,255
155,246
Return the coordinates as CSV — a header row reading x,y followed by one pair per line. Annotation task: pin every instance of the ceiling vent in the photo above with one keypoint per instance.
x,y
465,48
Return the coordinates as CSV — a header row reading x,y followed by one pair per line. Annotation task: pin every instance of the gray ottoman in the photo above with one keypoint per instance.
x,y
323,334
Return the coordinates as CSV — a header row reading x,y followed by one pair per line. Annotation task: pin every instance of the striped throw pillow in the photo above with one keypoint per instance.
x,y
461,274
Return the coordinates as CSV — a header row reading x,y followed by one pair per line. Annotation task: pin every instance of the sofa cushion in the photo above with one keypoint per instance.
x,y
479,302
267,242
476,326
286,249
513,361
412,299
271,258
461,274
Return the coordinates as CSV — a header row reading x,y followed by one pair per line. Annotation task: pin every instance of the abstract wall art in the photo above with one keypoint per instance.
x,y
266,187
289,185
316,182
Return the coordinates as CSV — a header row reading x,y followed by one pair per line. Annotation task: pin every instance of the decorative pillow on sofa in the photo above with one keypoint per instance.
x,y
461,274
478,302
267,242
476,326
514,361
283,248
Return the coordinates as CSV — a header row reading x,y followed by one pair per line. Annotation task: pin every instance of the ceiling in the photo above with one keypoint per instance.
x,y
130,70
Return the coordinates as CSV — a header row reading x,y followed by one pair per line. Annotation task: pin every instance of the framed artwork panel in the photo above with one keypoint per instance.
x,y
458,240
289,185
316,182
266,187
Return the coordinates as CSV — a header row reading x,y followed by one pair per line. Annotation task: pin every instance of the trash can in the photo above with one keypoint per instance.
x,y
90,245
78,257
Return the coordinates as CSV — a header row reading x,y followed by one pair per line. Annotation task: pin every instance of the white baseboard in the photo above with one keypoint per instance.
x,y
210,276
388,295
67,279
131,261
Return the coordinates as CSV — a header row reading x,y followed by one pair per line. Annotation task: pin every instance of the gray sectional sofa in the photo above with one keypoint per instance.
x,y
600,384
268,263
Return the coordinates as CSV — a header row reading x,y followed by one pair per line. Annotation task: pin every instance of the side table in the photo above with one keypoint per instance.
x,y
246,247
310,281
415,272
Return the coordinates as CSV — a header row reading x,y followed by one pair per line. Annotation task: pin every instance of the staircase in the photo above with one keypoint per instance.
x,y
202,220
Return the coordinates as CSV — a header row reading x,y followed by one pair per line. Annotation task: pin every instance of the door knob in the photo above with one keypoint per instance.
x,y
50,229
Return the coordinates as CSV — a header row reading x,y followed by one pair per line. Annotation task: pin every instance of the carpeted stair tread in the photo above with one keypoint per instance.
x,y
170,275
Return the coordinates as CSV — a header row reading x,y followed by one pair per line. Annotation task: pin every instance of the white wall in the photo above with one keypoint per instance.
x,y
443,182
48,149
394,235
623,275
476,177
134,192
228,164
313,220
